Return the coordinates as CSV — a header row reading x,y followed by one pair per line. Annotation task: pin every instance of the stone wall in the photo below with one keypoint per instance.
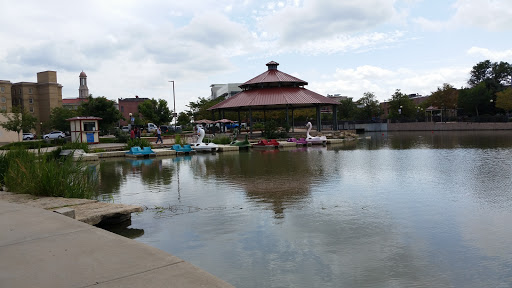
x,y
449,126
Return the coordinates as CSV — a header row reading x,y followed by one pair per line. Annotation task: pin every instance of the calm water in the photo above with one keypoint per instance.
x,y
396,210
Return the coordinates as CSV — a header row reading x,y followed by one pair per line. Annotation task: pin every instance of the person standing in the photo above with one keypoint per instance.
x,y
132,134
159,136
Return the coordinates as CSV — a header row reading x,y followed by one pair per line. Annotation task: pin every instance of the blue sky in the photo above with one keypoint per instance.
x,y
130,48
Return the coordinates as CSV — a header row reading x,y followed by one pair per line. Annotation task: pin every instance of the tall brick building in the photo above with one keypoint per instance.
x,y
129,105
37,98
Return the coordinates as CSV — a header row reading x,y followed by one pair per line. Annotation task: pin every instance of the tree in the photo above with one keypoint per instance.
x,y
19,120
183,119
445,97
155,111
199,109
103,108
493,74
504,100
369,107
401,106
58,118
475,99
347,109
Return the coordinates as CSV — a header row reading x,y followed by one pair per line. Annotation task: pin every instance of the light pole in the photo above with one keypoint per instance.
x,y
174,114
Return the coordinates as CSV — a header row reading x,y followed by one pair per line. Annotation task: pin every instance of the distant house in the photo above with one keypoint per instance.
x,y
417,99
227,90
127,106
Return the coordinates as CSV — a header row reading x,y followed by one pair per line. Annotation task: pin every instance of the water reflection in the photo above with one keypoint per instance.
x,y
392,210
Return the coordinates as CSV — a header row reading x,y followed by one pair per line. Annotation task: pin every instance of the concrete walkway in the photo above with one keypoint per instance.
x,y
40,248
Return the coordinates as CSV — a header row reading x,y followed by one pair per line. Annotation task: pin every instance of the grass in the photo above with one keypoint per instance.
x,y
44,175
221,140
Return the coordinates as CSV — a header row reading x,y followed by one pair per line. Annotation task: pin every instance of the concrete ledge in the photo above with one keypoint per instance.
x,y
228,148
57,251
287,144
164,152
66,211
335,141
111,154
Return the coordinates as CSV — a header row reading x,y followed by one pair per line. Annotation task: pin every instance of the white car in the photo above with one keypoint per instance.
x,y
125,129
28,136
55,135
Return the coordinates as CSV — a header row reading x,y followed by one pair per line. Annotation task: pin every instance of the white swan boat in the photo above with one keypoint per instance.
x,y
199,146
314,140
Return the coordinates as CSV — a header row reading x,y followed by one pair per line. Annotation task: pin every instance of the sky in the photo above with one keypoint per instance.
x,y
348,47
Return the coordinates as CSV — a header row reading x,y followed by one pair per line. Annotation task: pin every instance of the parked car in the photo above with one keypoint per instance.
x,y
54,135
28,136
165,128
125,129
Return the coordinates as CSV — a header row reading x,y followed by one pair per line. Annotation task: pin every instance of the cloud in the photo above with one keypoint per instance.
x,y
383,82
317,20
490,54
493,15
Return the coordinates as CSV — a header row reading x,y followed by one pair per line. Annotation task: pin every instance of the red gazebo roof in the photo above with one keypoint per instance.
x,y
274,89
275,98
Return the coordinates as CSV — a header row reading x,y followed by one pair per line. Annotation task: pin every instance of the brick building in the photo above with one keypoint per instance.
x,y
37,98
129,105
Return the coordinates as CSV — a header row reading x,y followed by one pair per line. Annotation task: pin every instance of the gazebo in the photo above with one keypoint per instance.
x,y
275,90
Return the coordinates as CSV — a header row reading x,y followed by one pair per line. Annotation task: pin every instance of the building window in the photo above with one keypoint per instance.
x,y
31,109
31,101
122,109
2,89
29,90
2,99
3,108
19,91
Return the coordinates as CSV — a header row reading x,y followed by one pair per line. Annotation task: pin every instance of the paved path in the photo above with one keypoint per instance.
x,y
39,248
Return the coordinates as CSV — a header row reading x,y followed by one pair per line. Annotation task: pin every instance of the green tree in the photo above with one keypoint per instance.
x,y
19,120
475,99
368,107
401,106
199,109
103,108
347,109
58,118
155,111
493,74
444,97
504,100
183,119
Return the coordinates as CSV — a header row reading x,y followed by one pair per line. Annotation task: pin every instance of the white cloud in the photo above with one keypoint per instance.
x,y
495,15
490,54
316,20
383,82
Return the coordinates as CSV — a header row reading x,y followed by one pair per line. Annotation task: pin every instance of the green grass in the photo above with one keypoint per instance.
x,y
221,140
45,175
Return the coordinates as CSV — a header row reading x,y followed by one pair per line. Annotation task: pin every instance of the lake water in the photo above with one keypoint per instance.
x,y
396,210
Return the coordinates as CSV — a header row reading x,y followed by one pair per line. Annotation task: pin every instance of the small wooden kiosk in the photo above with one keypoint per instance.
x,y
85,129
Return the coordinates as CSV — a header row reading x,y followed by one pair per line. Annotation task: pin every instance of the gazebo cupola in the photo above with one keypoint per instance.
x,y
272,65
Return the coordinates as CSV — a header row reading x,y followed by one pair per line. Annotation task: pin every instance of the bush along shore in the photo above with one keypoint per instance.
x,y
46,174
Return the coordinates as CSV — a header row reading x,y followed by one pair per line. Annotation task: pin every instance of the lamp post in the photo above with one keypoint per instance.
x,y
174,114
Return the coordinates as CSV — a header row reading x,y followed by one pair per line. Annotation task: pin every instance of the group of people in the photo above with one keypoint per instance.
x,y
135,132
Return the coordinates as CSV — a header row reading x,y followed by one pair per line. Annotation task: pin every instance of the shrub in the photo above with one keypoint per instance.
x,y
47,176
109,140
221,140
137,142
122,137
75,146
179,140
26,145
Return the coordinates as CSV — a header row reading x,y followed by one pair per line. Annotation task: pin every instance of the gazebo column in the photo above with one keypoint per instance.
x,y
293,121
213,115
264,116
223,125
334,118
318,119
239,122
287,120
250,122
